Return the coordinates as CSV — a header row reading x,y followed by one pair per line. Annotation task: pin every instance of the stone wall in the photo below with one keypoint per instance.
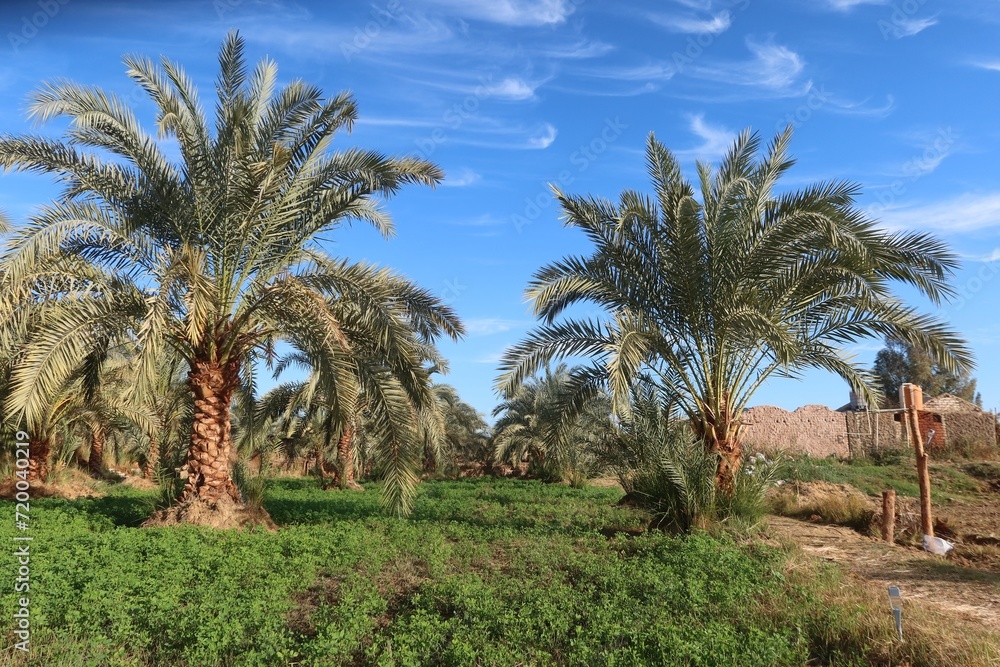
x,y
812,429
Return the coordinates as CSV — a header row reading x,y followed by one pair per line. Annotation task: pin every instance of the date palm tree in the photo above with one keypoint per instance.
x,y
217,256
715,292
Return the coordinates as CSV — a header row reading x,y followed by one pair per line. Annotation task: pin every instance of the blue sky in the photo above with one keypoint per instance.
x,y
509,96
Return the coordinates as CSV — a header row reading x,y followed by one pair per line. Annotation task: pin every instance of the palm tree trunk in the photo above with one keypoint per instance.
x,y
38,459
152,460
345,476
720,434
345,456
95,464
209,479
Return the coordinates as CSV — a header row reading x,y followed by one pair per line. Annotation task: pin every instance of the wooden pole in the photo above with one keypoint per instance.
x,y
889,516
911,398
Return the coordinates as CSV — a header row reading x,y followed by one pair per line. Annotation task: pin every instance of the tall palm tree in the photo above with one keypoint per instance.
x,y
716,292
216,257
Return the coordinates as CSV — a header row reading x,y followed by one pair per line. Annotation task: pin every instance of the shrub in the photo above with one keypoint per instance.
x,y
674,479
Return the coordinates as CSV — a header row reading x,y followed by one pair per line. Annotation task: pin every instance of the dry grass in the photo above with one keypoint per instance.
x,y
839,504
858,621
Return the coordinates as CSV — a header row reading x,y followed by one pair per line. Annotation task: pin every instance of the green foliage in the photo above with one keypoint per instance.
x,y
251,485
487,572
674,477
900,362
947,479
716,286
217,255
557,428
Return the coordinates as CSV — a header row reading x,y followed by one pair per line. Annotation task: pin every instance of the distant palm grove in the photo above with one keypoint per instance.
x,y
141,310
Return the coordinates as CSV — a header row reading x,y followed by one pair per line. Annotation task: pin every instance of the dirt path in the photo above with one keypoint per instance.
x,y
923,578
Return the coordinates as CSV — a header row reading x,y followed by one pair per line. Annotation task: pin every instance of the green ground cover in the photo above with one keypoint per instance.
x,y
486,572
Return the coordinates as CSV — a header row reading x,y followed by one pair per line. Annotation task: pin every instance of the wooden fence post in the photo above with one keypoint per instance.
x,y
911,399
889,516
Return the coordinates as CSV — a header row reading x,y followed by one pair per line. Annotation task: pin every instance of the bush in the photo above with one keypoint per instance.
x,y
674,479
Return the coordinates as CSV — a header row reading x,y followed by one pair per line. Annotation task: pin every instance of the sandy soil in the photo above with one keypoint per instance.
x,y
969,592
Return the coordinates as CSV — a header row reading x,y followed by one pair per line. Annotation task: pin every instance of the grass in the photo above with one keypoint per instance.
x,y
948,479
486,572
845,510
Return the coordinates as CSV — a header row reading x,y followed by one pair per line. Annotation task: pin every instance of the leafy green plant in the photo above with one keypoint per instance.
x,y
251,486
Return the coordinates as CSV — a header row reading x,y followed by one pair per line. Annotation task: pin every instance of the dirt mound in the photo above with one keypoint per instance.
x,y
223,514
70,490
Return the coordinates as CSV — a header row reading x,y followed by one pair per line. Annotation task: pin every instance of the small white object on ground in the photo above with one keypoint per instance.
x,y
937,546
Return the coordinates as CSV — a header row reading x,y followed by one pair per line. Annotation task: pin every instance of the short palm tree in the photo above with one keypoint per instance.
x,y
533,422
716,292
216,257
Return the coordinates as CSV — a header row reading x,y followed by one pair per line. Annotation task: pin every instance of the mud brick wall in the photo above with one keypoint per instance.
x,y
974,426
812,429
867,432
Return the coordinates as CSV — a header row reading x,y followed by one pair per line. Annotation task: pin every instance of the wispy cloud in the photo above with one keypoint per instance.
x,y
714,25
510,12
909,27
989,257
544,138
773,67
863,108
715,139
513,88
487,326
578,50
461,178
848,5
988,64
649,71
965,213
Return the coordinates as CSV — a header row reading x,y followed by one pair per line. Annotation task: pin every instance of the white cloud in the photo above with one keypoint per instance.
x,y
773,67
910,27
511,12
988,64
989,258
862,108
715,140
544,138
461,178
487,326
513,88
848,5
715,25
965,213
578,50
651,71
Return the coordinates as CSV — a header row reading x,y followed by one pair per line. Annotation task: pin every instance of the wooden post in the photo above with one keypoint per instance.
x,y
889,516
911,399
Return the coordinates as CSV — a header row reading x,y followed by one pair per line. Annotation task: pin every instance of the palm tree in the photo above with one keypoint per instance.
x,y
217,257
715,293
534,423
454,432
